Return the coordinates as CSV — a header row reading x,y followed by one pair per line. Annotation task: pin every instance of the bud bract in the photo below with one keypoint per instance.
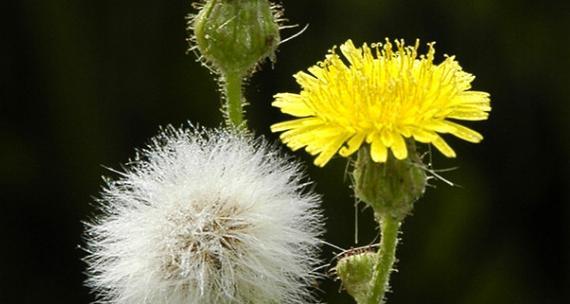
x,y
390,188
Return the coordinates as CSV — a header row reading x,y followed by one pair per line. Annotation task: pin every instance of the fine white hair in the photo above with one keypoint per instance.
x,y
205,217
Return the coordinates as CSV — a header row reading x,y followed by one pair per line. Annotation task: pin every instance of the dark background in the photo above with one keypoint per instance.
x,y
83,83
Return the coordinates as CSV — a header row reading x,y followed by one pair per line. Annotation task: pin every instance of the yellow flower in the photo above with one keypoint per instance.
x,y
381,96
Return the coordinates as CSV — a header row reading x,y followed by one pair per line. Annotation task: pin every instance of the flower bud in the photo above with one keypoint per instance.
x,y
233,36
390,188
355,272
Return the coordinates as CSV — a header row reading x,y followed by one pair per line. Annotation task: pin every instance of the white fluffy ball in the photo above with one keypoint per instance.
x,y
205,217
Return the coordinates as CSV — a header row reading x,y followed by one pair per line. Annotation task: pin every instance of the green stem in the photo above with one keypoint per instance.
x,y
234,99
390,227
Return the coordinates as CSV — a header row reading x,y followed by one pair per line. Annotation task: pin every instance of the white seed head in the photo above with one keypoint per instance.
x,y
205,217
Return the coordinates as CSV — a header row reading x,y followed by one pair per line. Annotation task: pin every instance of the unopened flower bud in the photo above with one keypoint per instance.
x,y
233,36
390,188
355,272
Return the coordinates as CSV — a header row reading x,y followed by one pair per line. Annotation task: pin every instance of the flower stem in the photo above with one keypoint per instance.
x,y
390,227
234,99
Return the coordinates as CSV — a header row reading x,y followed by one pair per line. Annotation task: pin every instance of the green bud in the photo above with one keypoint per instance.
x,y
390,188
233,36
355,272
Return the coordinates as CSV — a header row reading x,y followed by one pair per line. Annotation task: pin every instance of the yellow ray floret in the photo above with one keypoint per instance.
x,y
381,96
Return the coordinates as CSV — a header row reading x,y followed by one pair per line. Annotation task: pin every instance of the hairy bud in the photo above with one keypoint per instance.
x,y
355,272
233,36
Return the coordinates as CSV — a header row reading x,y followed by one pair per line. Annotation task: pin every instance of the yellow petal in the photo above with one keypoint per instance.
x,y
298,138
305,80
352,54
406,131
294,124
313,149
387,137
303,134
352,145
399,147
378,151
443,147
320,139
292,104
438,125
468,115
464,132
477,97
423,135
330,150
482,106
294,145
318,72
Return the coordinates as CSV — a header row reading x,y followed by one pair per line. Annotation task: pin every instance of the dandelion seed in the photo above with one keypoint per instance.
x,y
205,217
380,96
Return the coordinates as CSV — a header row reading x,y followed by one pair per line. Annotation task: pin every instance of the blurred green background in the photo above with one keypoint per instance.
x,y
85,82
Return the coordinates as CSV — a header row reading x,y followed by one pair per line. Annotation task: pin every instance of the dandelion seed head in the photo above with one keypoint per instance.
x,y
205,217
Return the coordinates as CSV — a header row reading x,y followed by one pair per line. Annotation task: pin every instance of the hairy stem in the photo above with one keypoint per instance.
x,y
234,99
390,227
